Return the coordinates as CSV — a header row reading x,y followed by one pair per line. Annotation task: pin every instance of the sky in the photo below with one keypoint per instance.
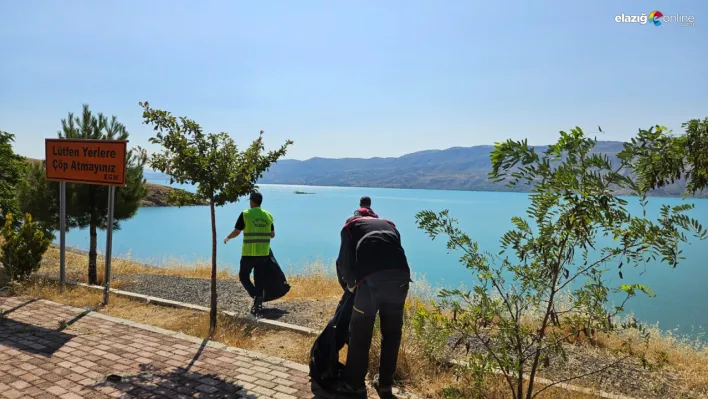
x,y
358,78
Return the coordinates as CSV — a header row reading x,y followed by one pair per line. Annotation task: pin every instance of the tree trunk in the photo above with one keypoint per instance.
x,y
92,278
212,316
544,323
520,384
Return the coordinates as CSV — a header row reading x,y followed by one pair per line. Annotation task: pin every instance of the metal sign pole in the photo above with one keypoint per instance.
x,y
109,242
62,235
61,157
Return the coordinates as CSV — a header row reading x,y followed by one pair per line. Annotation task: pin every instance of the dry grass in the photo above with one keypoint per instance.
x,y
688,357
231,332
77,263
315,281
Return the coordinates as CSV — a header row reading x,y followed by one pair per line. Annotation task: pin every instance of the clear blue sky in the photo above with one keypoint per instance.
x,y
353,78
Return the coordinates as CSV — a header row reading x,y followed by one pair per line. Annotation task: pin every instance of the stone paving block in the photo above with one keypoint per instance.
x,y
148,361
56,390
100,356
12,394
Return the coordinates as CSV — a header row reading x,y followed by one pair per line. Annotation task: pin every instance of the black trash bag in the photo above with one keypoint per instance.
x,y
275,285
325,366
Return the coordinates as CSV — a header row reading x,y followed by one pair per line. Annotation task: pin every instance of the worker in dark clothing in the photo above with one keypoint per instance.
x,y
373,264
365,208
258,230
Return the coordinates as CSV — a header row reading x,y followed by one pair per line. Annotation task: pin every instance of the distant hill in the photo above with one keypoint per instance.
x,y
457,168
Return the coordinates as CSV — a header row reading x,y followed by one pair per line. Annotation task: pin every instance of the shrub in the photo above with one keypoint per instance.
x,y
11,169
513,322
23,248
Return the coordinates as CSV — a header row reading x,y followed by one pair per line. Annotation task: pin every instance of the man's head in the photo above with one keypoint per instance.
x,y
365,202
256,199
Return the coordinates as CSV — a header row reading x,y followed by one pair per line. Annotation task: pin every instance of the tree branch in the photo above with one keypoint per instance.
x,y
542,331
580,273
493,280
502,367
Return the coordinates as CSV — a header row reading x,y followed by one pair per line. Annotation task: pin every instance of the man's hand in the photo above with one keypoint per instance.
x,y
226,240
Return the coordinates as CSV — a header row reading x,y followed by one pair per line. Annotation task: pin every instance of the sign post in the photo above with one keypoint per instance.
x,y
109,242
100,162
62,235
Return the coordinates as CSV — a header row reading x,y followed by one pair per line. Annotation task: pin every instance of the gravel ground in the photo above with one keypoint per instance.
x,y
627,377
232,297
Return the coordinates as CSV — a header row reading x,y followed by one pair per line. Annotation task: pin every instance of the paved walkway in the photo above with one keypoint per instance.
x,y
52,351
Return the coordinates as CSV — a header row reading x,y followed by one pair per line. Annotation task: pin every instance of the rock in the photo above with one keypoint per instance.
x,y
159,195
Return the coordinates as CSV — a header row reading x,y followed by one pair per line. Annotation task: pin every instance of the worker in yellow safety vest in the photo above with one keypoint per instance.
x,y
257,227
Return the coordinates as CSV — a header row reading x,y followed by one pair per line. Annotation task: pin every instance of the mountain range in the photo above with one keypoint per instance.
x,y
456,168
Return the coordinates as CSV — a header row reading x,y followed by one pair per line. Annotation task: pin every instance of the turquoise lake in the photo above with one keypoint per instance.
x,y
307,229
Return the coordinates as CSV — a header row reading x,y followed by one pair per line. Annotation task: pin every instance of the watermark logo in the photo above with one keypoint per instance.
x,y
656,18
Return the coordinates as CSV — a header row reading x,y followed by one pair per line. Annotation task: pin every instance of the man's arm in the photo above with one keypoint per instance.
x,y
240,225
346,261
272,230
233,235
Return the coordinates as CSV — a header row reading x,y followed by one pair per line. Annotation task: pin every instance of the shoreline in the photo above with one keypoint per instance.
x,y
703,196
229,271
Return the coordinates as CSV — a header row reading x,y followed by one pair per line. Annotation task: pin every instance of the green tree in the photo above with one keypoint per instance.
x,y
659,158
221,173
87,204
11,169
23,247
515,312
40,198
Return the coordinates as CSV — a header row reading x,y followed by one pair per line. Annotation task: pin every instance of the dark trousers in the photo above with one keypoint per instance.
x,y
342,327
385,295
257,265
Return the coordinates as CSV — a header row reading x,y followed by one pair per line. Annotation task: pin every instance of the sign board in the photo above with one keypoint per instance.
x,y
100,162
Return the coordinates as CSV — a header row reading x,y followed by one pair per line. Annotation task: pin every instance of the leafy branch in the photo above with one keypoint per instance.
x,y
511,312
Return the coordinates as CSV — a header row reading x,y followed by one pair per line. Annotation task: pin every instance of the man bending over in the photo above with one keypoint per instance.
x,y
373,264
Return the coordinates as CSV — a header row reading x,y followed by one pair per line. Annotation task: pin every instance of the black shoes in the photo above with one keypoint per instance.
x,y
345,390
384,392
257,308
